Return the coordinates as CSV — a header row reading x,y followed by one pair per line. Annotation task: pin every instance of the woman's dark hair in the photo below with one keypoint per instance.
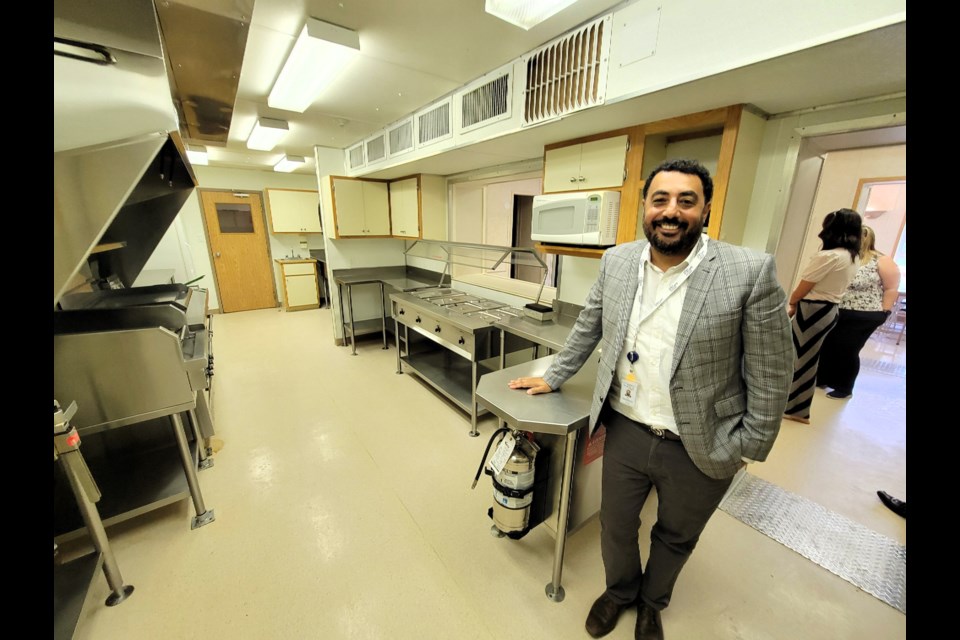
x,y
842,229
690,167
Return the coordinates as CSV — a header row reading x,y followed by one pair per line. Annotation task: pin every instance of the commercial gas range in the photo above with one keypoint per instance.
x,y
449,340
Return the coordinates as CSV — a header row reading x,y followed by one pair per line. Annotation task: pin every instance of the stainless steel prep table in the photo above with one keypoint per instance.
x,y
563,413
400,278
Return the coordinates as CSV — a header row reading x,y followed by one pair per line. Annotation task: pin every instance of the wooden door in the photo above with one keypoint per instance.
x,y
239,250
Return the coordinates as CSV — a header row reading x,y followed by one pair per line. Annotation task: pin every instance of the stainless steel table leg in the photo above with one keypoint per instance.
x,y
503,365
473,402
203,515
205,461
74,466
383,317
554,590
396,328
353,335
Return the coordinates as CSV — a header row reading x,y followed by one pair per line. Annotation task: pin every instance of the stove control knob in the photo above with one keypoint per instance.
x,y
437,329
461,340
418,318
401,311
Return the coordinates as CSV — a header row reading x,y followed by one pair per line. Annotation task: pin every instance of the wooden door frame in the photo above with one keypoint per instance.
x,y
206,235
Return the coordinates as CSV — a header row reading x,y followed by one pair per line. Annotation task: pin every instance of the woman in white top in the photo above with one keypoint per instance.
x,y
865,306
813,304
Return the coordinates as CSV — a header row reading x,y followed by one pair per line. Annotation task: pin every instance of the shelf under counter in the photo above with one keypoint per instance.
x,y
450,374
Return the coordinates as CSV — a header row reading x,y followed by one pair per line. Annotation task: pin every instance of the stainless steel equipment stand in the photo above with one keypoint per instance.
x,y
343,324
66,449
205,460
203,516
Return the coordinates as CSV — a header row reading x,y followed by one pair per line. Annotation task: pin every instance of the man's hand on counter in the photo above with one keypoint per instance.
x,y
532,385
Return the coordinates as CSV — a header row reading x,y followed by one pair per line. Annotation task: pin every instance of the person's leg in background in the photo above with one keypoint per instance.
x,y
840,353
811,324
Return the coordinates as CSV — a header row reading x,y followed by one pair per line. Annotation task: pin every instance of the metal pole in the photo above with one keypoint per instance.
x,y
383,316
203,515
554,590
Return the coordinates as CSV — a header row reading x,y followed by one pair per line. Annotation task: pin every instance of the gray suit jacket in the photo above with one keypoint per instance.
x,y
733,362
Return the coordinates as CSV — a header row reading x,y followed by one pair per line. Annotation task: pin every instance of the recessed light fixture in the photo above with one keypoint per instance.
x,y
525,13
321,53
289,163
266,133
197,154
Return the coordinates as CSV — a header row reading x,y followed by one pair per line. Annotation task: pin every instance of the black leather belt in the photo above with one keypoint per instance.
x,y
663,434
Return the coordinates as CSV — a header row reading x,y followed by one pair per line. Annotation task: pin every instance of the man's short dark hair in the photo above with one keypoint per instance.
x,y
688,166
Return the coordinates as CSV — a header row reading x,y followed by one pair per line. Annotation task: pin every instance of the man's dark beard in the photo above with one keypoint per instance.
x,y
682,245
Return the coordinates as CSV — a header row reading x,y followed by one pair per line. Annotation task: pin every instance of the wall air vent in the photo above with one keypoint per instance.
x,y
433,123
487,102
567,74
376,147
400,138
355,156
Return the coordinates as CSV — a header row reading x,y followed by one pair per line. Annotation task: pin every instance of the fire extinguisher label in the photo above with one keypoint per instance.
x,y
502,453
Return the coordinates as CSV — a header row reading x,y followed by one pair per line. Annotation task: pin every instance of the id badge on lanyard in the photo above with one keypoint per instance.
x,y
629,385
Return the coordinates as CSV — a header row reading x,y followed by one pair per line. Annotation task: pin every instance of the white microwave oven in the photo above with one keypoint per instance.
x,y
581,218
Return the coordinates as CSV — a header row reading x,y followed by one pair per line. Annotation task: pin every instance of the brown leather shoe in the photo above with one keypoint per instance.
x,y
603,616
649,626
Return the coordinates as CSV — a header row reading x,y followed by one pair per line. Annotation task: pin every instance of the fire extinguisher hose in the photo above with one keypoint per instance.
x,y
486,451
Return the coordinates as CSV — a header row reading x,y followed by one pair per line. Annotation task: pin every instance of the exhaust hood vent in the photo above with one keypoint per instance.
x,y
355,156
433,124
567,74
400,138
376,148
488,102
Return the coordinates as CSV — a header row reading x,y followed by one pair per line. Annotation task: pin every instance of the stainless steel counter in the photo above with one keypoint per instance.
x,y
558,418
401,278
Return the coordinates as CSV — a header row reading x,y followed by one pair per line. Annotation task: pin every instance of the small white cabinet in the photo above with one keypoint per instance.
x,y
405,208
300,289
598,164
361,208
294,211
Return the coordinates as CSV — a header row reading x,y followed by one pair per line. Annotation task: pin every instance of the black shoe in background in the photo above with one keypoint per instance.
x,y
899,507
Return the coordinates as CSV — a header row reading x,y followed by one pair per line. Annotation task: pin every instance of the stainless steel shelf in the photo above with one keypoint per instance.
x,y
71,581
449,374
133,478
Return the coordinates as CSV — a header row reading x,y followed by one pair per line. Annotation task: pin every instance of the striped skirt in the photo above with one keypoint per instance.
x,y
811,323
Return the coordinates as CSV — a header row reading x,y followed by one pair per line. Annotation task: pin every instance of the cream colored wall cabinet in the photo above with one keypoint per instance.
x,y
418,207
300,285
361,208
294,211
598,164
405,208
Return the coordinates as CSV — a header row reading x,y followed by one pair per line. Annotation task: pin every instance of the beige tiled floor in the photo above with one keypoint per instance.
x,y
344,510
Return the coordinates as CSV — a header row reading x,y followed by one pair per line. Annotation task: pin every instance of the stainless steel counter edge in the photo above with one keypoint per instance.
x,y
558,413
398,277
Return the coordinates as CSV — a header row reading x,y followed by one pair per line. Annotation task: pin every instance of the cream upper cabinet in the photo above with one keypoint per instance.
x,y
598,164
294,211
405,208
361,208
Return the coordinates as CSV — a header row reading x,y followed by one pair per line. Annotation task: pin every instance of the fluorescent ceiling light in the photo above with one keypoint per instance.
x,y
289,163
525,13
266,133
197,154
320,54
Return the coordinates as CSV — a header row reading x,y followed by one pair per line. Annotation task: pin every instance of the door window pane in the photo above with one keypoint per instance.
x,y
234,218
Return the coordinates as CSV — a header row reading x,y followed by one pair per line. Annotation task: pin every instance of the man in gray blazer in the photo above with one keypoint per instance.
x,y
696,362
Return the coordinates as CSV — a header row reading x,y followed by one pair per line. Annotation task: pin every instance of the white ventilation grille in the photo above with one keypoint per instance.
x,y
376,148
433,124
400,138
355,156
567,74
489,102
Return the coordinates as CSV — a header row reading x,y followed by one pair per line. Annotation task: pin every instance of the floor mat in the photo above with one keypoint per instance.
x,y
873,562
882,366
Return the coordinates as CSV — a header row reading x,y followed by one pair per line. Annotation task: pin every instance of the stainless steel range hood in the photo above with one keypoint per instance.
x,y
120,168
